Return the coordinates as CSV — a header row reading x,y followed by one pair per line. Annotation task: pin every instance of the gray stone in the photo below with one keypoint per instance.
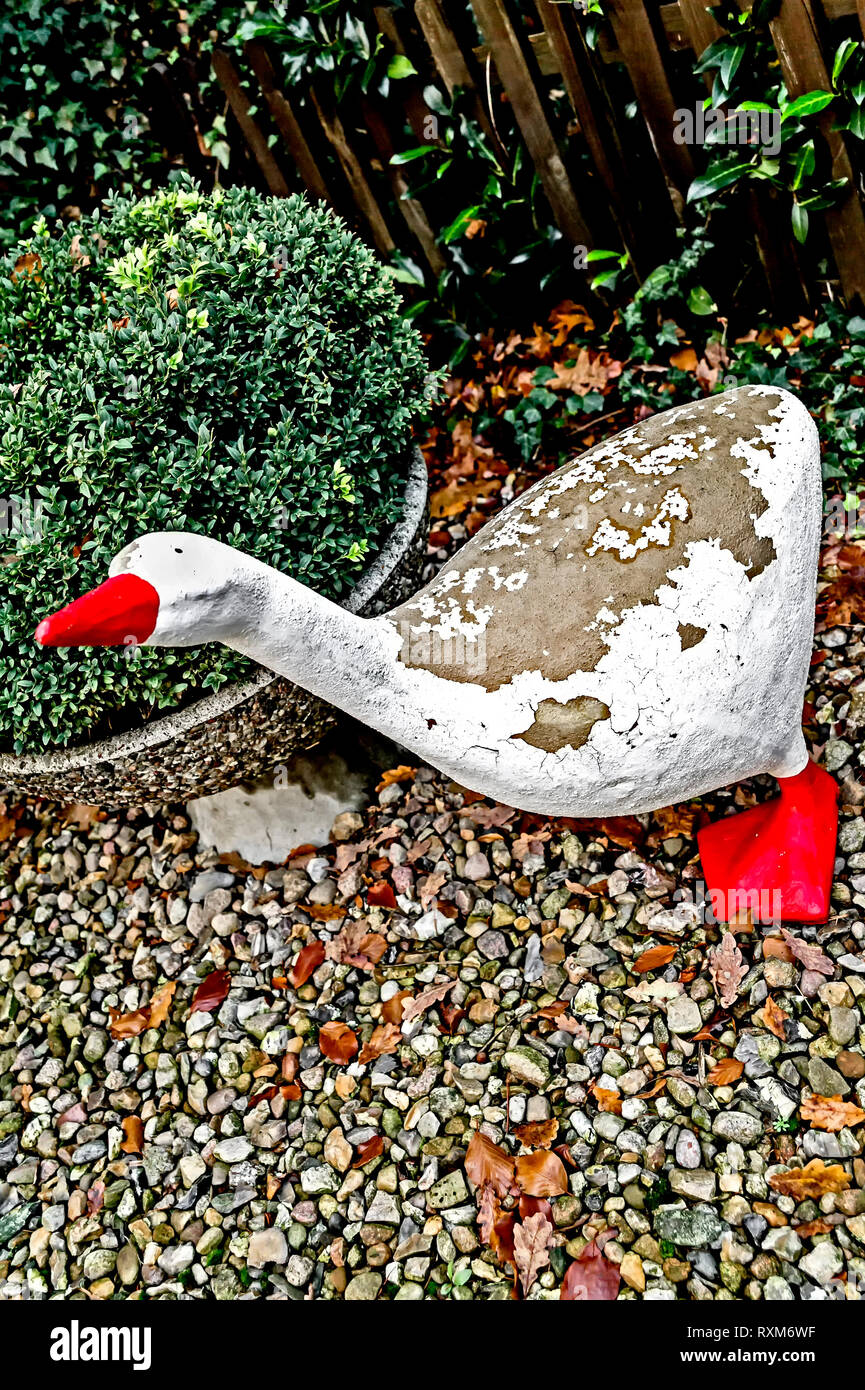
x,y
683,1016
692,1227
737,1125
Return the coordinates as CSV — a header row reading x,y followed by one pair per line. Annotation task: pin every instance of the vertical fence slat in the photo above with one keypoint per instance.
x,y
229,81
514,72
796,38
642,56
415,218
285,121
364,198
450,62
589,105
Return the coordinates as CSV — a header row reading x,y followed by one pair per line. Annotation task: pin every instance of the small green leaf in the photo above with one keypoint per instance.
x,y
806,105
700,301
799,218
401,66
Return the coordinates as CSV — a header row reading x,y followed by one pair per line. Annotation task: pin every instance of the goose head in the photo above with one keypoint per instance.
x,y
166,589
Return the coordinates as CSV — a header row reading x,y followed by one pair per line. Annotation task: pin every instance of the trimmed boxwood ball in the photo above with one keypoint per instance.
x,y
224,363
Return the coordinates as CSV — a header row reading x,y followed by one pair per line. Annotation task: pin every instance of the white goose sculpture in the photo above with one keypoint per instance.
x,y
633,631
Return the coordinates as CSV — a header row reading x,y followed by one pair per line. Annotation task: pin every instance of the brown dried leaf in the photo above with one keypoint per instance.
x,y
609,1101
831,1112
403,773
811,956
775,1018
532,1240
151,1015
591,1277
541,1174
425,1001
537,1134
337,1042
728,969
655,958
134,1132
357,945
486,1162
812,1181
385,1038
725,1071
310,958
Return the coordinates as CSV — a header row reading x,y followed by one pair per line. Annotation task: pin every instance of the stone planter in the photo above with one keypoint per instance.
x,y
244,731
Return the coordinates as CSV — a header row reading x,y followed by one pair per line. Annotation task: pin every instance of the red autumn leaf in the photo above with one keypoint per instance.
x,y
307,963
368,1150
591,1277
496,1225
337,1042
541,1174
487,1162
211,992
381,895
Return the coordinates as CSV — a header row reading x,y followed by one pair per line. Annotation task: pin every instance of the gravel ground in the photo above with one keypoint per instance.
x,y
444,966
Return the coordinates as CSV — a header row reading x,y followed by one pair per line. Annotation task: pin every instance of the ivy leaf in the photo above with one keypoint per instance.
x,y
700,301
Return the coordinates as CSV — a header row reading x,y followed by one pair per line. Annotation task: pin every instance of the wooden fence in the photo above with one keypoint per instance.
x,y
599,183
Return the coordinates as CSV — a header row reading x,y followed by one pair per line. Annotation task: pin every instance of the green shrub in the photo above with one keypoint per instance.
x,y
229,364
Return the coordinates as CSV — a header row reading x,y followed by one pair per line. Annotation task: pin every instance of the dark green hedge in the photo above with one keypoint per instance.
x,y
228,364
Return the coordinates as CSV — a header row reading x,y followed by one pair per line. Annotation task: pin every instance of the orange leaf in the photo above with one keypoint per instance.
x,y
812,1181
324,912
391,1009
486,1162
385,1038
610,1101
541,1174
725,1071
654,958
537,1134
337,1042
149,1016
307,963
831,1112
403,773
381,895
160,1004
134,1131
774,1018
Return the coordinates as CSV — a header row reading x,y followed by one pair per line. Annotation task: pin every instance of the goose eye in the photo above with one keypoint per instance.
x,y
177,550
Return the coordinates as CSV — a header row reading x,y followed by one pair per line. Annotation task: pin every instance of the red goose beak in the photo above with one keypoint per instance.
x,y
122,610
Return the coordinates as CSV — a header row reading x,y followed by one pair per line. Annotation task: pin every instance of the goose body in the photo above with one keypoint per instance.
x,y
633,630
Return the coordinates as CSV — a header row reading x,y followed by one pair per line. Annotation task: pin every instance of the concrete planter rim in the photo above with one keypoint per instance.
x,y
168,727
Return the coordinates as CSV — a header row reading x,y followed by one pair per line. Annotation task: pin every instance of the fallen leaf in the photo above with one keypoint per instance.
x,y
95,1197
725,1071
608,1101
134,1132
496,1226
654,958
307,963
419,1005
727,969
591,1277
532,1240
151,1015
537,1134
810,1182
357,945
385,1038
541,1174
403,773
368,1150
28,264
337,1042
831,1112
685,359
775,1018
392,1009
324,912
211,992
811,956
487,1162
381,895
